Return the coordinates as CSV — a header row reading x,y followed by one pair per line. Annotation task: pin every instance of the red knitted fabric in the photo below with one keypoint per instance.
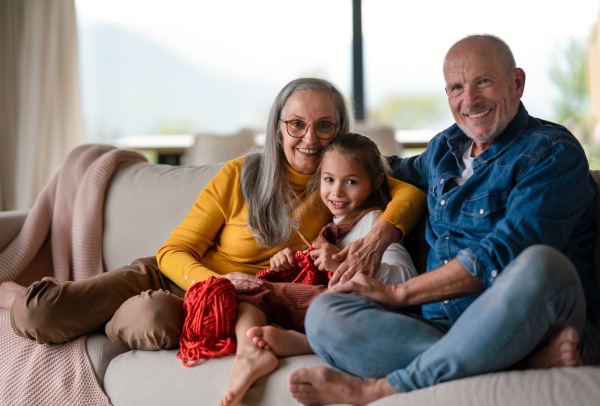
x,y
208,331
304,272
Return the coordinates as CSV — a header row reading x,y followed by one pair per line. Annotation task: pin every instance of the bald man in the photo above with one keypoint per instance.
x,y
509,281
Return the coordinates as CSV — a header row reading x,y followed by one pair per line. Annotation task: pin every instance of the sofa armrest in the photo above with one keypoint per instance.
x,y
10,225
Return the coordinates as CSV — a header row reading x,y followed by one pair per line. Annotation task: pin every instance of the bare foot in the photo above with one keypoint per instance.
x,y
283,343
561,351
324,386
248,367
8,292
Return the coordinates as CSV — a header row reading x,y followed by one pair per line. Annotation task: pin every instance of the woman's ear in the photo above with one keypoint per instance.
x,y
380,179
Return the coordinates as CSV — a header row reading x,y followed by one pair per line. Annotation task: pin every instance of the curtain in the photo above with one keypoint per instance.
x,y
11,12
45,112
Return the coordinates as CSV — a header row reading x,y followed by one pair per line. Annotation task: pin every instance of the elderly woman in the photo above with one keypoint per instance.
x,y
245,215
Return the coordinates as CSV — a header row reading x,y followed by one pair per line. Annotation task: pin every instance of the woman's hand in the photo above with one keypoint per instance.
x,y
364,255
283,260
322,254
243,282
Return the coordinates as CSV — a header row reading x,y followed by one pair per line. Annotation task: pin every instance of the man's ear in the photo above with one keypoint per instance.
x,y
519,82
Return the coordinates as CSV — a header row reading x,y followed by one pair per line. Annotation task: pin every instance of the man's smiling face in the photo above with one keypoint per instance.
x,y
483,92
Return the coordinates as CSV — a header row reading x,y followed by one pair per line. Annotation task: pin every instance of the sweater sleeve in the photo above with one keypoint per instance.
x,y
407,206
180,257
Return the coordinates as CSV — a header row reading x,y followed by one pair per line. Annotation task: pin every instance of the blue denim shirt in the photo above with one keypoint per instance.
x,y
531,186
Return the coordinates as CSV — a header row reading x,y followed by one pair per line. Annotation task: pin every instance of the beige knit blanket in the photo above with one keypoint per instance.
x,y
61,237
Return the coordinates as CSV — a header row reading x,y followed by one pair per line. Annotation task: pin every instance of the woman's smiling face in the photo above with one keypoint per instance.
x,y
310,106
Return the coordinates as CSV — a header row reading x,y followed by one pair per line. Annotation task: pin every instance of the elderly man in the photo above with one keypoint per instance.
x,y
510,229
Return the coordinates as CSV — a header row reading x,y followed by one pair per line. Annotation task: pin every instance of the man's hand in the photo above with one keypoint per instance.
x,y
370,288
322,254
283,260
364,255
243,282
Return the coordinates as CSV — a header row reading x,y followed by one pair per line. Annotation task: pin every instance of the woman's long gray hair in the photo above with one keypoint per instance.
x,y
265,186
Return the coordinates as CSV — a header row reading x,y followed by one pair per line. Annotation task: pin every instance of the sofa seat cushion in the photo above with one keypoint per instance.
x,y
159,378
541,387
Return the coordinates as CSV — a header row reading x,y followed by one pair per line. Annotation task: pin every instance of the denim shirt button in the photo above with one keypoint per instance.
x,y
443,202
494,273
445,261
446,301
441,181
481,211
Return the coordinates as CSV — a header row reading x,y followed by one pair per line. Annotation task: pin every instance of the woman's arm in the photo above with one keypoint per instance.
x,y
180,257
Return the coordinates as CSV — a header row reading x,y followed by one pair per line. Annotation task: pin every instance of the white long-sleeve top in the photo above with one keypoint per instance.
x,y
396,264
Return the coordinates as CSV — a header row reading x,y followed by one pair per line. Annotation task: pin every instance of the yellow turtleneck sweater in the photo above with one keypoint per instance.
x,y
213,239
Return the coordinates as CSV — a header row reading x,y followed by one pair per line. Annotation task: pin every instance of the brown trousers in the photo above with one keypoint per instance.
x,y
137,306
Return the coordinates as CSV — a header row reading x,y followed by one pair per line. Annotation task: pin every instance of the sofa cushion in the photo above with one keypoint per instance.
x,y
159,378
556,386
144,203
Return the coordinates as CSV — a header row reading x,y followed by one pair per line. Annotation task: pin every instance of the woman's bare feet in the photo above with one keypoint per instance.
x,y
249,365
324,386
283,343
561,351
8,292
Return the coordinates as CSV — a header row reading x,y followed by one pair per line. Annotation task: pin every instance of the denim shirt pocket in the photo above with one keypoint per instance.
x,y
483,213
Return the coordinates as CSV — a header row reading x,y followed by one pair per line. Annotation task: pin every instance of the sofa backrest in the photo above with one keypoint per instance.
x,y
144,203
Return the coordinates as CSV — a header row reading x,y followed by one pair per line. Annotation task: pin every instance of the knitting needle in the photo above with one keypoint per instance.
x,y
303,238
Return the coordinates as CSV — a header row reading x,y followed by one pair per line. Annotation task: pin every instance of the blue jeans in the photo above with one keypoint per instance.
x,y
536,295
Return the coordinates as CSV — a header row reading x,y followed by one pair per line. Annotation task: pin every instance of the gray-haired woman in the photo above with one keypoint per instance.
x,y
244,216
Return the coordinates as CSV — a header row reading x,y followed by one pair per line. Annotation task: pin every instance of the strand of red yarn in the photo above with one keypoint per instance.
x,y
208,331
304,272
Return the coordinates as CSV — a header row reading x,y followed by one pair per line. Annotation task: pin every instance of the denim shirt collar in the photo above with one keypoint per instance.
x,y
512,132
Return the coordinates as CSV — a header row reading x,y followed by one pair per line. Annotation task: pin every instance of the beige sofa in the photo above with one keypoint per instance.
x,y
144,202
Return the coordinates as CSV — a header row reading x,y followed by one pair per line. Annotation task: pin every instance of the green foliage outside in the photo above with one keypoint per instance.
x,y
568,72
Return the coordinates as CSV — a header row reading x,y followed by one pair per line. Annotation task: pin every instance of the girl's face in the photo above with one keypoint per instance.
x,y
312,107
344,184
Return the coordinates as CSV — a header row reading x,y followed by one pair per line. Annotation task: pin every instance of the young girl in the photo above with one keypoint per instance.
x,y
353,186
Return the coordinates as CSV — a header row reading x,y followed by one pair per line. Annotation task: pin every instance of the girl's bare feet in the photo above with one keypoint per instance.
x,y
561,351
248,367
283,343
324,386
251,362
8,292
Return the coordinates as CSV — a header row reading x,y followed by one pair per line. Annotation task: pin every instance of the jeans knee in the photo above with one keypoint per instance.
x,y
321,315
547,266
150,321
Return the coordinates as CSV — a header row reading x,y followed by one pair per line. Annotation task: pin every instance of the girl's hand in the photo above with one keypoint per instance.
x,y
283,260
322,254
243,282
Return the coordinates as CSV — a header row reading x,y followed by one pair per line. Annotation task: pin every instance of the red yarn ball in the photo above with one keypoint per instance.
x,y
209,329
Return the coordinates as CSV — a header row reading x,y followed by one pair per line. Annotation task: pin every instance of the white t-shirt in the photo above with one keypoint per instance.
x,y
466,165
396,264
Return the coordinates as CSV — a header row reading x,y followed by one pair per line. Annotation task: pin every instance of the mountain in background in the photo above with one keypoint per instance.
x,y
133,86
